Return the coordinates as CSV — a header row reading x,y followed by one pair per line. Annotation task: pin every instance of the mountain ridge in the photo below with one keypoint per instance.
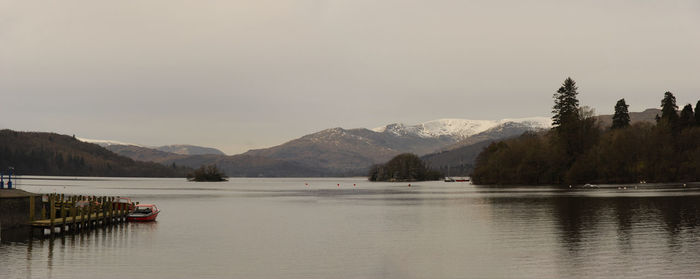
x,y
342,152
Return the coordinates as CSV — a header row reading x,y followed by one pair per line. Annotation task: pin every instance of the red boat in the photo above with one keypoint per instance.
x,y
144,213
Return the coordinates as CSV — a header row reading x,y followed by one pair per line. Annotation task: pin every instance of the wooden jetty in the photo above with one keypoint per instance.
x,y
63,214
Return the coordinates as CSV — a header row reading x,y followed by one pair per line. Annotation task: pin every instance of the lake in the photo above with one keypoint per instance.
x,y
313,228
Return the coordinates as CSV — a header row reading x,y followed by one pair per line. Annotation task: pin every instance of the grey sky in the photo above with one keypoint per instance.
x,y
249,74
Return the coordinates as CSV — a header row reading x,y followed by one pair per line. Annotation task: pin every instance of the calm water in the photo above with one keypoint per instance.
x,y
281,228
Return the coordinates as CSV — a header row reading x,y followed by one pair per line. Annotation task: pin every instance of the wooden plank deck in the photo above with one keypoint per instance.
x,y
61,214
46,223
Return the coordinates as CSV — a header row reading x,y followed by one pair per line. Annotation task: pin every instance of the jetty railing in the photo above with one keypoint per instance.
x,y
64,214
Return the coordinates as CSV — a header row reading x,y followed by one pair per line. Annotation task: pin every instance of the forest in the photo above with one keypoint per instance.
x,y
34,153
577,150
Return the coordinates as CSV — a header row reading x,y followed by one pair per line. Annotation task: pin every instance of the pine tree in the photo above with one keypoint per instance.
x,y
566,106
669,114
669,108
687,119
697,113
621,119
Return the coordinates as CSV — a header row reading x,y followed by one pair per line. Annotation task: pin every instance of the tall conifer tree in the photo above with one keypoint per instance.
x,y
566,105
669,108
621,119
697,113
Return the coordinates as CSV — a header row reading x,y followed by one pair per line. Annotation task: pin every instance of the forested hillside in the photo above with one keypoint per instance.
x,y
35,153
578,151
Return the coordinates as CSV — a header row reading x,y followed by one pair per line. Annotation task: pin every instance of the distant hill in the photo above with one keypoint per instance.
x,y
233,166
144,154
39,153
185,149
458,161
181,149
251,166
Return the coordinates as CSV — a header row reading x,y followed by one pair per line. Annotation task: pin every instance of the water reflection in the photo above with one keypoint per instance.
x,y
47,254
579,216
430,230
628,235
15,234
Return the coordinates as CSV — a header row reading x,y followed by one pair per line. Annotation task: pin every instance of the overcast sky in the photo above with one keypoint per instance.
x,y
238,75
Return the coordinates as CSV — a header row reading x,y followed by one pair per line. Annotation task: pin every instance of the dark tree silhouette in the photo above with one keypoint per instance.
x,y
697,114
687,119
207,174
565,104
621,119
669,114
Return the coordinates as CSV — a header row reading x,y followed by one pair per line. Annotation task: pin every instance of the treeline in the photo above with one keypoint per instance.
x,y
34,153
403,167
576,150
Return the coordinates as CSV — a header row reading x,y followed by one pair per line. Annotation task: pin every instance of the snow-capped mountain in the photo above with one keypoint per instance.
x,y
459,128
342,151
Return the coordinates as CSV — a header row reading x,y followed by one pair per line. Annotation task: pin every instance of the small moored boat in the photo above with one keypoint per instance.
x,y
456,179
144,213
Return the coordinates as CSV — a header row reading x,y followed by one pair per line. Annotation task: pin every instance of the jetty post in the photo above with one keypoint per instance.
x,y
64,213
32,209
52,213
9,177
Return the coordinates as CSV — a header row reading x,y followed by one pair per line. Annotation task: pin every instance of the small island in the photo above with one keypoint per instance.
x,y
403,167
207,174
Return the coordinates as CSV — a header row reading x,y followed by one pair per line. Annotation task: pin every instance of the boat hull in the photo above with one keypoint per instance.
x,y
142,218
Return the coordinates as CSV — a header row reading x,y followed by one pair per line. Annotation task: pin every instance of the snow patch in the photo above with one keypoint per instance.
x,y
460,128
106,142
